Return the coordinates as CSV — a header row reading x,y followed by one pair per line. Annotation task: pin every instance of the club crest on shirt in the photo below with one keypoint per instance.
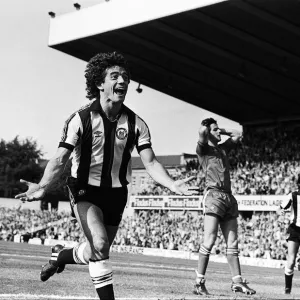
x,y
81,192
121,133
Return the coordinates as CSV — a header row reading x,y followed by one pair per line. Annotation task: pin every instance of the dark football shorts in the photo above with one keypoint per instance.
x,y
111,201
221,204
293,233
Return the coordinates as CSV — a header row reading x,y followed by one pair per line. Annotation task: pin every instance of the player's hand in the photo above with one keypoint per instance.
x,y
180,187
34,192
203,132
206,123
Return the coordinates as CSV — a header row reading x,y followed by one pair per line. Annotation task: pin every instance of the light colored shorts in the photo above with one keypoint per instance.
x,y
221,204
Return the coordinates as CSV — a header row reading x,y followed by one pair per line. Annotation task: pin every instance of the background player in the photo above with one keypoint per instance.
x,y
219,205
291,202
101,137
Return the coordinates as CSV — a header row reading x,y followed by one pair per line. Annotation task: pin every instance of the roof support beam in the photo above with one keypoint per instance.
x,y
196,14
244,5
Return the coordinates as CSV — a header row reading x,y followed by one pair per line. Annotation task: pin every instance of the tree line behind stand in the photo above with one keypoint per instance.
x,y
22,159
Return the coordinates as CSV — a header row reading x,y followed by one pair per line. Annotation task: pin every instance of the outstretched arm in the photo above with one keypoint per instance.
x,y
156,170
52,173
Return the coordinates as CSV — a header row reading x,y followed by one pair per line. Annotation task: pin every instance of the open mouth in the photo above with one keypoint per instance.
x,y
120,91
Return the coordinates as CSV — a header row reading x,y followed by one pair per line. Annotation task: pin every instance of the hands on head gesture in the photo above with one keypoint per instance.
x,y
180,187
33,193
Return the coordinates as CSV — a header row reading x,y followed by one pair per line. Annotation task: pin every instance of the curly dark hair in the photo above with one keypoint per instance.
x,y
96,68
207,122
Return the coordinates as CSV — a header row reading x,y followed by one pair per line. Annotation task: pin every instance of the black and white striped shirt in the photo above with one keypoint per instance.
x,y
102,149
292,201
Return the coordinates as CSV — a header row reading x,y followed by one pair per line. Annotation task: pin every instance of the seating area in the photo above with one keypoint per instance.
x,y
262,236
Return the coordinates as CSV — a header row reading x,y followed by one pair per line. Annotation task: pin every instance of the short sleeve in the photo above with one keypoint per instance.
x,y
143,140
202,148
71,132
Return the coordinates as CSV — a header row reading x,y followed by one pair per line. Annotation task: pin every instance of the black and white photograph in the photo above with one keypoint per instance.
x,y
149,149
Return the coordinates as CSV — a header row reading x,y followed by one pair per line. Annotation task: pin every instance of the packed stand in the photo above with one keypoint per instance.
x,y
189,170
21,224
266,163
262,236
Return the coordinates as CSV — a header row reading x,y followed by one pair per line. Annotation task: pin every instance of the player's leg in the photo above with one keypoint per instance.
x,y
113,211
213,211
100,269
293,247
229,230
112,218
211,224
100,229
81,253
61,255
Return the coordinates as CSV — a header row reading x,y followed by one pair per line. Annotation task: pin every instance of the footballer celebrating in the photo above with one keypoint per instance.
x,y
100,136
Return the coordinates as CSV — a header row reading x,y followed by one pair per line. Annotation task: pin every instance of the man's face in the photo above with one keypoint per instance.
x,y
214,134
115,84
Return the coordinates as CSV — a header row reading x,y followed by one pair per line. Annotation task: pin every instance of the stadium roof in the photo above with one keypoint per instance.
x,y
236,58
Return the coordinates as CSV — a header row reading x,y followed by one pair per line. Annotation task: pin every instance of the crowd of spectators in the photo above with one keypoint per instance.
x,y
21,224
261,236
267,162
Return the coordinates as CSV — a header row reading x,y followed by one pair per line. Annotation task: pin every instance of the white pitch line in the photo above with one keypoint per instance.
x,y
57,297
34,296
22,255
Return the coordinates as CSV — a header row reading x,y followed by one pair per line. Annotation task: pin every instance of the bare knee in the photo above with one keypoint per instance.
x,y
87,253
291,260
210,240
101,247
232,244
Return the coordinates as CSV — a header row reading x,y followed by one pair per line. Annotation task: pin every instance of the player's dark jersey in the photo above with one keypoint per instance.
x,y
101,148
215,164
292,201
